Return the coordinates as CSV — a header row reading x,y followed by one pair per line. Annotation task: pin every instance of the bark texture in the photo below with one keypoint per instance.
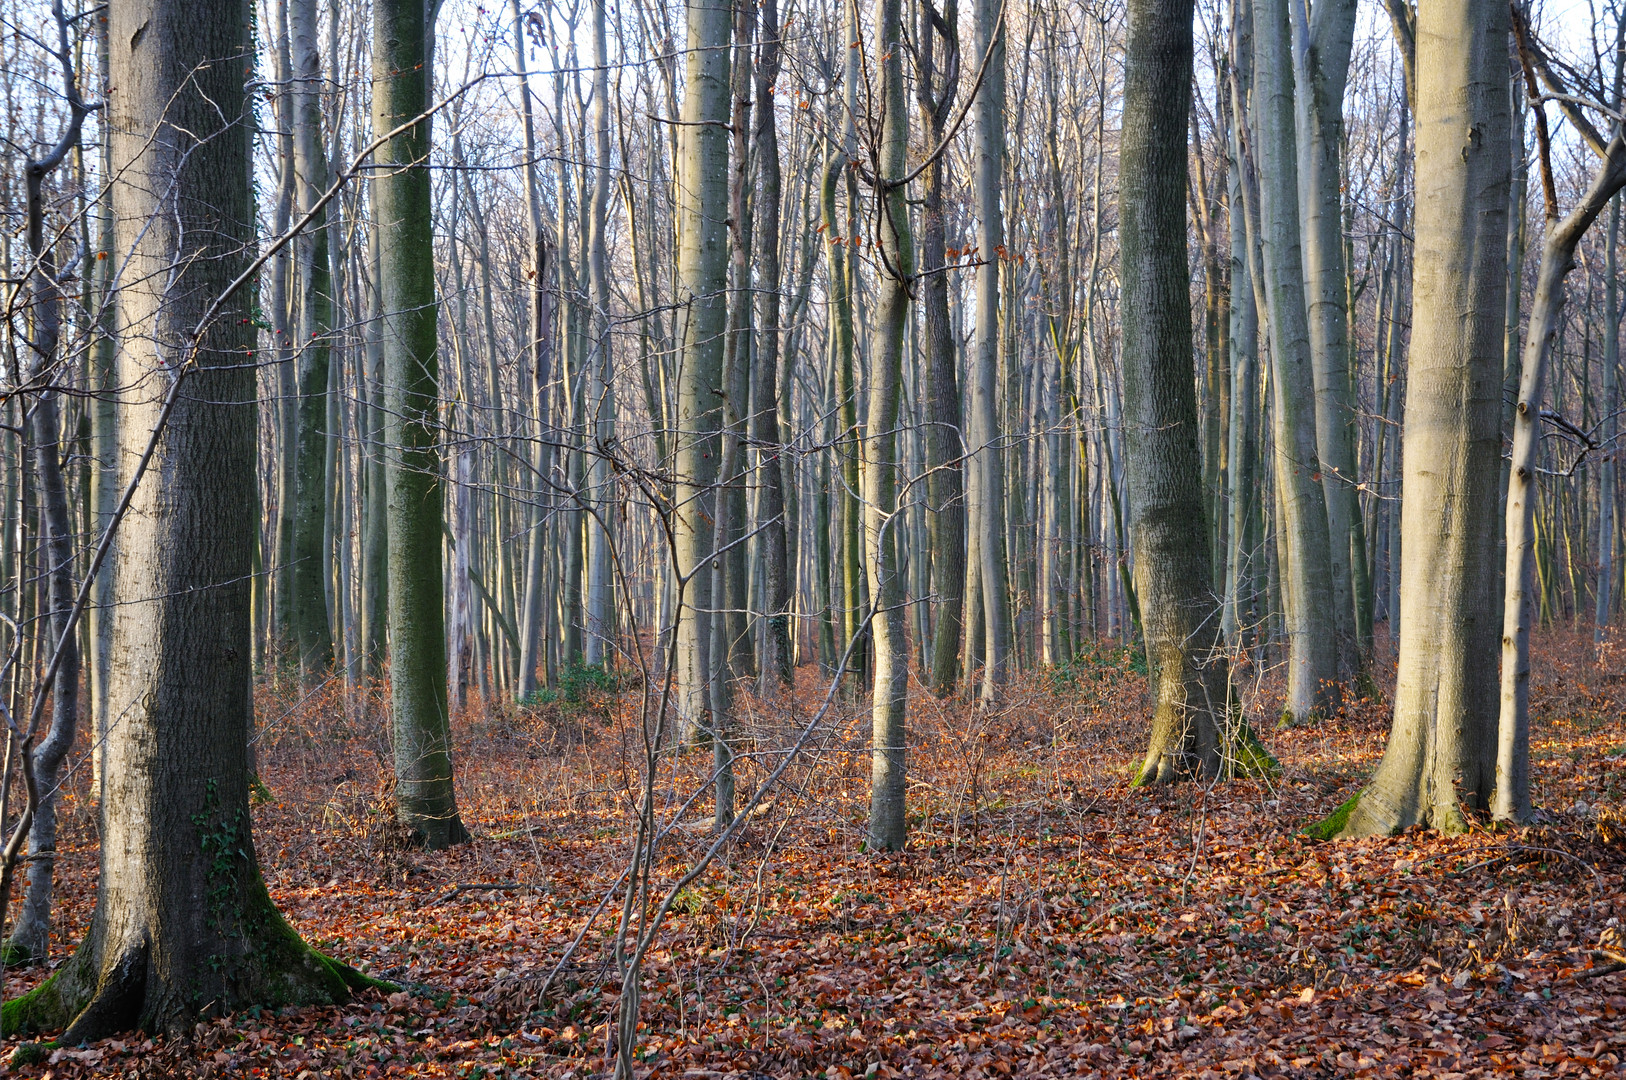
x,y
1306,572
1193,730
182,925
702,274
424,798
887,828
1441,749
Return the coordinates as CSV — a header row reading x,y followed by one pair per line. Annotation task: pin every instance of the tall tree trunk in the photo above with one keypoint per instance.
x,y
31,938
987,510
935,91
537,329
702,296
600,410
1512,797
774,659
425,801
308,614
182,923
1441,749
1307,589
895,246
1191,723
1321,51
375,534
104,427
1242,497
1608,520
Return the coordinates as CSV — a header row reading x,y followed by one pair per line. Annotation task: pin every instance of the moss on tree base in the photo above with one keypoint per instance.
x,y
90,1001
1244,758
1334,823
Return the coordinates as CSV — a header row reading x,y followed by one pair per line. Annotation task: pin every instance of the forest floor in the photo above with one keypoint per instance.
x,y
1046,920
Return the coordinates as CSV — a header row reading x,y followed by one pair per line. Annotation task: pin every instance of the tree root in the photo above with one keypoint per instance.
x,y
282,969
1243,757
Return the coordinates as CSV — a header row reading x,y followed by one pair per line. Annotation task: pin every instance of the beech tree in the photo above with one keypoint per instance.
x,y
1194,731
420,722
1441,751
182,925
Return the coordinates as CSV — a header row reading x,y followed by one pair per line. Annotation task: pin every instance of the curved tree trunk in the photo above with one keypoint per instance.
x,y
1512,798
31,938
887,828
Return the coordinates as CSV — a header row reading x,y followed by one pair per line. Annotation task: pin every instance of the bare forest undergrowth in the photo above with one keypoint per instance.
x,y
1046,920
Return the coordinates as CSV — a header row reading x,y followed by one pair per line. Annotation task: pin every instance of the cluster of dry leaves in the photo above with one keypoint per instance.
x,y
1046,920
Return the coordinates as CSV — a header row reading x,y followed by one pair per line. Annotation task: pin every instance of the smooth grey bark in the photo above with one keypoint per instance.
x,y
986,510
1321,51
888,830
425,800
1441,749
1242,480
1192,730
702,296
284,328
538,326
599,631
182,925
1307,587
1511,801
31,936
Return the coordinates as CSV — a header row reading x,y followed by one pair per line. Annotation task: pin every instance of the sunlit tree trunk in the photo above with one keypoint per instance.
x,y
987,508
1321,51
1441,749
1307,587
600,405
882,517
1242,499
702,284
1512,797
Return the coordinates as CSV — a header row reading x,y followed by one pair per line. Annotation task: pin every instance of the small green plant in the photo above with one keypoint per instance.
x,y
539,697
578,681
688,902
1095,664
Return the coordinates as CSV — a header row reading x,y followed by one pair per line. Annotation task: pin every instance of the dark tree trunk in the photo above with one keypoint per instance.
x,y
1193,731
183,926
